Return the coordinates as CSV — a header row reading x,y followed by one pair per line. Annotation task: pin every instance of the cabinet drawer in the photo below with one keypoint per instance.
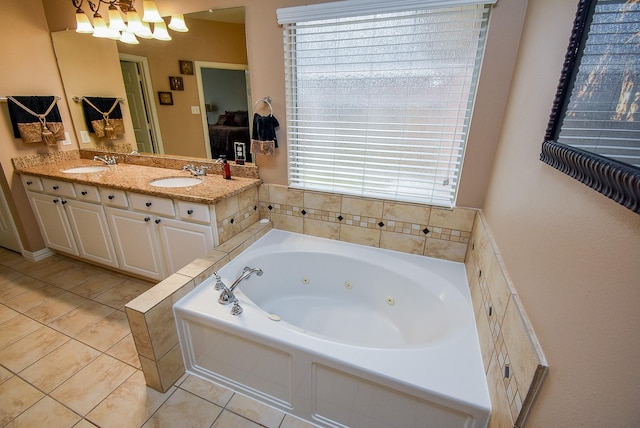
x,y
32,182
55,187
152,204
87,193
192,211
114,197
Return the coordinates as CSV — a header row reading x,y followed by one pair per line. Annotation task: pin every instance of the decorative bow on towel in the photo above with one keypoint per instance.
x,y
103,116
263,139
36,119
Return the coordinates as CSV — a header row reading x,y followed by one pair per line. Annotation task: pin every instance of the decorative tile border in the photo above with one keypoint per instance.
x,y
433,231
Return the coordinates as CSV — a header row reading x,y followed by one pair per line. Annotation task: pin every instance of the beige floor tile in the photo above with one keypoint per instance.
x,y
6,313
103,375
121,294
16,396
98,284
293,422
231,420
106,332
16,328
44,270
31,348
74,322
17,286
130,405
50,371
32,298
55,307
84,424
7,274
10,258
4,374
126,351
255,411
184,409
46,413
72,277
207,390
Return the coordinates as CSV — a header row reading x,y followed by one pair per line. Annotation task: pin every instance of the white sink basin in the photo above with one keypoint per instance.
x,y
86,169
176,182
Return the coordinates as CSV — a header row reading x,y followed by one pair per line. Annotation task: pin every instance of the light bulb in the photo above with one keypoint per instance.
x,y
177,24
83,25
100,26
160,31
115,19
145,31
129,38
151,13
133,21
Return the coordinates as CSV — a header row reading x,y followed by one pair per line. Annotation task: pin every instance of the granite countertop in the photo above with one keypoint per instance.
x,y
136,178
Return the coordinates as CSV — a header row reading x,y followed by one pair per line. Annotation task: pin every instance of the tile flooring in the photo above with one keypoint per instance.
x,y
67,358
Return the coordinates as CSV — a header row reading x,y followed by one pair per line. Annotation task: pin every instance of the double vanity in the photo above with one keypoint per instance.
x,y
148,221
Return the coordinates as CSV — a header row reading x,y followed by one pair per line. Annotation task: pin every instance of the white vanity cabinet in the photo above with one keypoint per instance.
x,y
151,242
145,235
69,225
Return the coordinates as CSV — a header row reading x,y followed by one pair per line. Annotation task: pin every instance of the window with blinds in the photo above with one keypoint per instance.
x,y
602,115
379,101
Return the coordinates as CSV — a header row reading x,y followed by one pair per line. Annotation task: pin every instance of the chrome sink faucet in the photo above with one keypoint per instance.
x,y
226,296
196,171
109,160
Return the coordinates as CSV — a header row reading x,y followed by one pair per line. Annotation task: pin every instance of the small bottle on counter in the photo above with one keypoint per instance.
x,y
226,170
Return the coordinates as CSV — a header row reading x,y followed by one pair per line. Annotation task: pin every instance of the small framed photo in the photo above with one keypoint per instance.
x,y
186,67
166,98
176,83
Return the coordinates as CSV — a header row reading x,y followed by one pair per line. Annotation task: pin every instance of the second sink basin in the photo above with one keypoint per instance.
x,y
86,169
176,182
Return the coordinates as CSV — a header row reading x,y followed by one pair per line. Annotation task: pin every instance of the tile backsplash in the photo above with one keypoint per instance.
x,y
411,228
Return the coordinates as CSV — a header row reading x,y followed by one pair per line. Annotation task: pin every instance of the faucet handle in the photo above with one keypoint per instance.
x,y
236,309
219,284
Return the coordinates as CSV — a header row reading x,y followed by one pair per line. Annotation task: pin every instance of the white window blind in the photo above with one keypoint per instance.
x,y
603,112
379,105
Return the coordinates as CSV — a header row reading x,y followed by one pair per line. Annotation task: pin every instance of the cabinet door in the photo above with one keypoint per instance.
x,y
52,219
89,224
183,242
136,243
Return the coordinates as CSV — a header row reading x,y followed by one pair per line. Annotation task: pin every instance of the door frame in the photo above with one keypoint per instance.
x,y
198,66
149,100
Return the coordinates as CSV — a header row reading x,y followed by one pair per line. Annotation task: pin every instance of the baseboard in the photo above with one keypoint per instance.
x,y
36,256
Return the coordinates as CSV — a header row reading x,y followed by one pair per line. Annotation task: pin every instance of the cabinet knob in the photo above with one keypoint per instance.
x,y
157,221
55,201
63,202
84,193
110,196
56,187
148,204
147,218
29,183
189,212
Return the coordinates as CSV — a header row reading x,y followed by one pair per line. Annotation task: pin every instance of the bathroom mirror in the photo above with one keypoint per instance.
x,y
209,62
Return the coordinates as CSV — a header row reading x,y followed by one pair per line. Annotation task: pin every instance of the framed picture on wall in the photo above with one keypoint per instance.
x,y
186,67
165,98
176,83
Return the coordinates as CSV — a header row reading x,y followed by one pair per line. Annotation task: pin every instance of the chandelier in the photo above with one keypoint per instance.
x,y
123,21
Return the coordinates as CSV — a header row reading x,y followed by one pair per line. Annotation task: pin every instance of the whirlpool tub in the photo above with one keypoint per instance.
x,y
341,335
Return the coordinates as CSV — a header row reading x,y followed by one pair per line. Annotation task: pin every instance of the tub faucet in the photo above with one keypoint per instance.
x,y
227,296
108,160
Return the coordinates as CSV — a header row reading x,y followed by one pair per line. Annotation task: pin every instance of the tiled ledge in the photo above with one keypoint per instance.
x,y
151,318
513,358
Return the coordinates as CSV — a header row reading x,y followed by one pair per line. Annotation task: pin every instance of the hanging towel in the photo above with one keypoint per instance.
x,y
103,116
263,138
36,119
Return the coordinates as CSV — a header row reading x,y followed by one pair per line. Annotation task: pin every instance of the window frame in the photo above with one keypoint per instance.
x,y
615,180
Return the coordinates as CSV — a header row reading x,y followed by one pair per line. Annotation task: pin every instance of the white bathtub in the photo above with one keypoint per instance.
x,y
342,335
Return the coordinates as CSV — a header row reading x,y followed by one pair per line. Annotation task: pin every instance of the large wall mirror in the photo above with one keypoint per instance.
x,y
594,130
210,100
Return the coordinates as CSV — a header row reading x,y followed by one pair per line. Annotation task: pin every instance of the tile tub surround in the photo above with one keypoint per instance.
x,y
151,318
514,361
410,228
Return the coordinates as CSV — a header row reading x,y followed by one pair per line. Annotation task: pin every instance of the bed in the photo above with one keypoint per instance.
x,y
231,127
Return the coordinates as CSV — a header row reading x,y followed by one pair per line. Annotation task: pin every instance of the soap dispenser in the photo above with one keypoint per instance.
x,y
226,169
